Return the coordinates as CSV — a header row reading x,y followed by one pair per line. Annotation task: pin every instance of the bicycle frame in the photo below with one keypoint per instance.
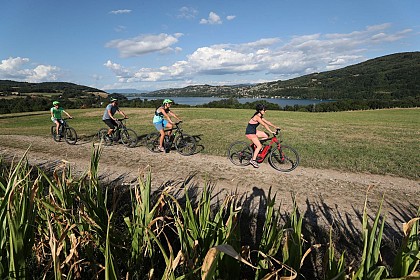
x,y
175,130
266,148
117,131
63,123
64,130
184,144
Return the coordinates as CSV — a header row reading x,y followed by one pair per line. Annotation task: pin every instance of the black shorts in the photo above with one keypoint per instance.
x,y
110,123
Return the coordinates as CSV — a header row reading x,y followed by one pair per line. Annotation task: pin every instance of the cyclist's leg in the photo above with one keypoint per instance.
x,y
57,128
161,128
262,135
111,124
257,143
168,126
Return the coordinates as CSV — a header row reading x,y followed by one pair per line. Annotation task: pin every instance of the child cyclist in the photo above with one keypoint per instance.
x,y
253,134
162,120
56,112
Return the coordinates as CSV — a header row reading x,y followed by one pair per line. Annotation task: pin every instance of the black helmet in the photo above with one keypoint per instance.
x,y
260,107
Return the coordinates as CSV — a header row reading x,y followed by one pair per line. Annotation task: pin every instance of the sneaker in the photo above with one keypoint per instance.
x,y
254,163
161,149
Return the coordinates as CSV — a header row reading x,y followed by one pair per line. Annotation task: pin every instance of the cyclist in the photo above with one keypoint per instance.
x,y
162,120
253,134
56,112
109,118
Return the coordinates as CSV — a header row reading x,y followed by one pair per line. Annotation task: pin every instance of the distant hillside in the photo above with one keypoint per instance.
x,y
395,76
7,87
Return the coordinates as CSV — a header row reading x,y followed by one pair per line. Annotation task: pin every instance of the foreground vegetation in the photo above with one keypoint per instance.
x,y
375,141
56,226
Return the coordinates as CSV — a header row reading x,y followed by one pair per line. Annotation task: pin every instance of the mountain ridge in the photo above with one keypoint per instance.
x,y
394,76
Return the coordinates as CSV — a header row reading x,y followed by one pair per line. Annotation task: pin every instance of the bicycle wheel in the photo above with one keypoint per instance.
x,y
129,137
185,144
54,134
240,153
284,159
101,136
152,142
70,136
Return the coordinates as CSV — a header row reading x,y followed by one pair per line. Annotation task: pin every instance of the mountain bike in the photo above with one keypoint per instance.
x,y
183,143
127,136
281,157
64,131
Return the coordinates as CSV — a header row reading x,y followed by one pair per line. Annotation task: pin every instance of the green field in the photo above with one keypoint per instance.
x,y
379,141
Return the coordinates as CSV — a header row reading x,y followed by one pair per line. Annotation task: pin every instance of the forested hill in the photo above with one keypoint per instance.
x,y
7,86
395,76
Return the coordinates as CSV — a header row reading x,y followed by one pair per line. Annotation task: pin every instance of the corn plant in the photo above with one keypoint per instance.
x,y
59,239
333,268
370,267
209,267
17,216
80,218
143,226
271,238
110,272
293,242
95,216
57,247
407,259
199,229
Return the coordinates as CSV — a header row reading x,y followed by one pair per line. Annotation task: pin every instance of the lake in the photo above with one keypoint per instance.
x,y
192,101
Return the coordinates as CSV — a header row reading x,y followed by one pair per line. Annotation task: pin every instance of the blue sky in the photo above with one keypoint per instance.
x,y
148,45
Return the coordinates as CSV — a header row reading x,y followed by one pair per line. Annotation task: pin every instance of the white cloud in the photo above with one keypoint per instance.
x,y
43,73
119,12
120,28
119,71
17,69
144,44
230,17
187,12
212,19
12,64
270,56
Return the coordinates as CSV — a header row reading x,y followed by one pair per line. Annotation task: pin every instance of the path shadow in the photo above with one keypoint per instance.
x,y
199,147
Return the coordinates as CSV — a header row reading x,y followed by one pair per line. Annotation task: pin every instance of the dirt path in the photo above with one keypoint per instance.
x,y
323,195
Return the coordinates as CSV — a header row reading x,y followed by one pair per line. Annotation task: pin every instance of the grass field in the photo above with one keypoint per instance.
x,y
379,142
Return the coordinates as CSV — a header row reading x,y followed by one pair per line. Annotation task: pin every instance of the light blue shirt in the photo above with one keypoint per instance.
x,y
113,109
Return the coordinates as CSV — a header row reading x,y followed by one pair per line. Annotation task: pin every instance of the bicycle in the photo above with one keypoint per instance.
x,y
64,131
183,143
127,136
281,157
